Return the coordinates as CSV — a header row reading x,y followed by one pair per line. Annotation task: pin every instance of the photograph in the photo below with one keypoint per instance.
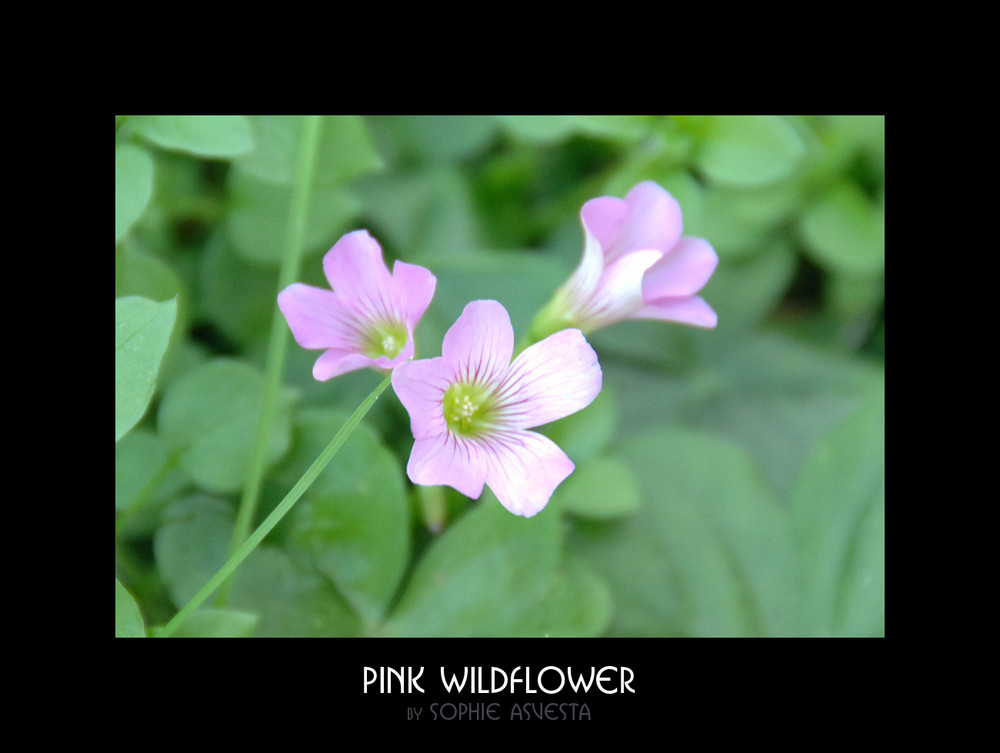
x,y
612,380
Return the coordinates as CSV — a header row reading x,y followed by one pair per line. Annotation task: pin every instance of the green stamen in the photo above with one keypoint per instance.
x,y
386,339
468,409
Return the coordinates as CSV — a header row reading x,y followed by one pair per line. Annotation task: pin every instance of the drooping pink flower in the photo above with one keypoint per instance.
x,y
635,265
367,320
471,409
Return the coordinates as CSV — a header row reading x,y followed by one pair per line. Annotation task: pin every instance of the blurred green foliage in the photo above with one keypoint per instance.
x,y
729,482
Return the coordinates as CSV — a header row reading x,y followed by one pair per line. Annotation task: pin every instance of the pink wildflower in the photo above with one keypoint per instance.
x,y
367,320
471,409
635,265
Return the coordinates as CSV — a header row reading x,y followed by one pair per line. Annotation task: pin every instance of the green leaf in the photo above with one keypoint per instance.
x,y
773,394
146,276
844,231
625,128
257,222
838,509
142,333
128,618
209,418
428,213
578,604
851,296
133,186
549,129
584,434
742,221
292,600
434,138
145,480
192,544
218,623
140,464
289,599
709,553
523,282
487,575
745,291
541,128
239,297
353,522
778,396
750,150
200,135
601,488
346,150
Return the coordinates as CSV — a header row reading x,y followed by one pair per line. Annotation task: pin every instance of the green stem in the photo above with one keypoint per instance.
x,y
275,517
277,346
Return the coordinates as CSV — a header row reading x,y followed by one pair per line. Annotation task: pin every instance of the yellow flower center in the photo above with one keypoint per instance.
x,y
468,409
385,339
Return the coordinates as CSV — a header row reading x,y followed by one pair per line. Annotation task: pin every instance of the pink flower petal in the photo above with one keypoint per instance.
x,y
335,362
317,318
357,273
689,310
414,287
523,468
683,271
368,312
619,294
420,387
446,460
654,221
550,380
479,345
582,284
623,239
603,218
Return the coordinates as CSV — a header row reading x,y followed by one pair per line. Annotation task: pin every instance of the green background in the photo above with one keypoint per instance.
x,y
729,482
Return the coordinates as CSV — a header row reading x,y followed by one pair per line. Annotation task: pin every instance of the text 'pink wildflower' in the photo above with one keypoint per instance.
x,y
367,320
471,409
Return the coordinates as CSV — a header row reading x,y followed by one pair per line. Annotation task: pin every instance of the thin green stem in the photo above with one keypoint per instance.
x,y
276,515
277,346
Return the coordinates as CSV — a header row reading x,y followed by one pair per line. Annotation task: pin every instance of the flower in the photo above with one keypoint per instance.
x,y
635,265
471,408
367,320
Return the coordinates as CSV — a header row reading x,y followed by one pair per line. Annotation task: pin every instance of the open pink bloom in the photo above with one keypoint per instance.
x,y
471,409
367,320
635,265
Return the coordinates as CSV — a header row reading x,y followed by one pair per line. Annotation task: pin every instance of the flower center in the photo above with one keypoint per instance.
x,y
385,339
468,409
